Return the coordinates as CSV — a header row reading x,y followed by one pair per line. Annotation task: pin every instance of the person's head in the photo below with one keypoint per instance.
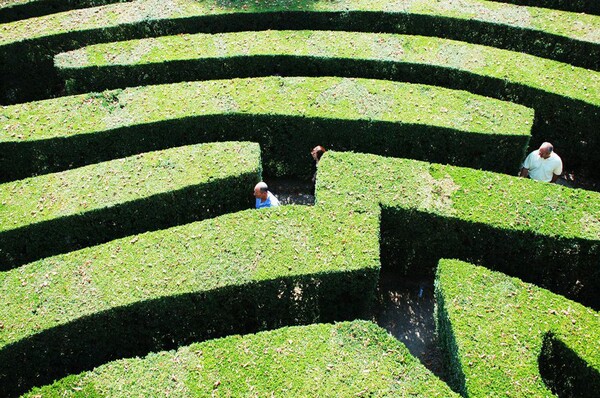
x,y
546,150
317,152
261,191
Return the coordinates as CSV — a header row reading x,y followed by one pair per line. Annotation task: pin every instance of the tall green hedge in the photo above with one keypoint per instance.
x,y
342,360
46,215
236,273
566,99
287,116
506,337
431,211
584,6
27,47
13,10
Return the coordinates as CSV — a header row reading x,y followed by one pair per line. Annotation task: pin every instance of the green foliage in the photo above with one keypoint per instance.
x,y
54,213
430,211
237,273
258,270
27,46
496,331
341,360
586,6
176,58
287,116
566,99
13,10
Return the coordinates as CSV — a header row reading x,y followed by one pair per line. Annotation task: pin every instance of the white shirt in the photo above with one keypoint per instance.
x,y
543,169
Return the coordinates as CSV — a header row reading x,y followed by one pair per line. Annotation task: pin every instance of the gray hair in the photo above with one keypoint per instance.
x,y
262,186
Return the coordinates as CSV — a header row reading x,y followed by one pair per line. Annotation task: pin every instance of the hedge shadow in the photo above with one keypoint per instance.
x,y
570,124
29,74
564,372
169,322
412,242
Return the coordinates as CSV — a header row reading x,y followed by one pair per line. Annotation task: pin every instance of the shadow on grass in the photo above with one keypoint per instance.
x,y
164,210
412,243
564,372
169,322
569,124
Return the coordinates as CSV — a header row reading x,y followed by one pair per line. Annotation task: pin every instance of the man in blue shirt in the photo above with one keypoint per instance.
x,y
264,198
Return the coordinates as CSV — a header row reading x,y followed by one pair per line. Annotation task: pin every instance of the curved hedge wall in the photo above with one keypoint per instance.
x,y
14,10
431,211
584,6
253,271
287,116
237,273
499,334
55,213
27,47
342,360
566,99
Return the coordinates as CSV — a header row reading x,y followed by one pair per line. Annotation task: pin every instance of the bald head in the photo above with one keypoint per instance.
x,y
261,190
546,150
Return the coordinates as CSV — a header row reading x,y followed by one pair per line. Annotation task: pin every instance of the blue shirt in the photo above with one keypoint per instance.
x,y
270,202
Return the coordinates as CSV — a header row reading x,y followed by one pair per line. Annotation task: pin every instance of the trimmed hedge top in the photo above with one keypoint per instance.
x,y
499,324
327,97
12,10
342,360
587,6
234,249
362,181
106,184
577,26
556,77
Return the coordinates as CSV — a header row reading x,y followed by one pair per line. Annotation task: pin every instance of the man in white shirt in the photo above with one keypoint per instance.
x,y
543,164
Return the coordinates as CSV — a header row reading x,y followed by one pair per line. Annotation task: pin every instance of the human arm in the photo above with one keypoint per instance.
x,y
525,166
524,172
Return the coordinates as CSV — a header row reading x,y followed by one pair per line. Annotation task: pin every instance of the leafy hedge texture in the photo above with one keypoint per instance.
x,y
237,273
342,360
126,235
585,6
54,213
498,330
431,211
287,116
27,47
566,99
13,10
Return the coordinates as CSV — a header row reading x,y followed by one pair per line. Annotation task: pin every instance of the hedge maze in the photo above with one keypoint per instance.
x,y
133,132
